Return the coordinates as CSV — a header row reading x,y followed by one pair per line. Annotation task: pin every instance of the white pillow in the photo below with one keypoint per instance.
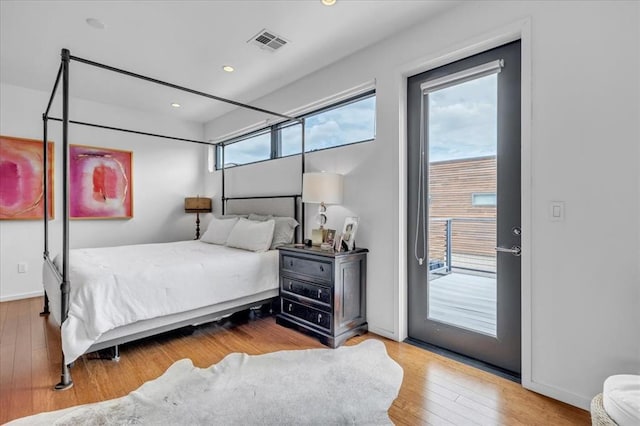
x,y
283,232
251,235
218,230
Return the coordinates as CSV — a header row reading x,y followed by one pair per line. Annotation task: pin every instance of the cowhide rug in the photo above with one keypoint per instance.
x,y
348,385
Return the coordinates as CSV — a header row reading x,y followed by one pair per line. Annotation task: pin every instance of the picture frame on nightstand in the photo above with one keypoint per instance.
x,y
329,236
337,242
348,238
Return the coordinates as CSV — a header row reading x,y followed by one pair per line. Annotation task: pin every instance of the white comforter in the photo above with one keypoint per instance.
x,y
116,286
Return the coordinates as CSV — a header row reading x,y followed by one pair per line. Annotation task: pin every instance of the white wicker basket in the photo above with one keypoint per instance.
x,y
599,416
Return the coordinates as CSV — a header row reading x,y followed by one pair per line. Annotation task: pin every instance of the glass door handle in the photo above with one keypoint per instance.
x,y
514,250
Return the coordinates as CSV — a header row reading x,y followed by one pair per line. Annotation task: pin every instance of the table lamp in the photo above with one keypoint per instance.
x,y
321,188
197,205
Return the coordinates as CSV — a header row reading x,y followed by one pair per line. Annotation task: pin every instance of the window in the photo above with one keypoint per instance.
x,y
480,199
463,120
290,139
347,123
344,123
248,149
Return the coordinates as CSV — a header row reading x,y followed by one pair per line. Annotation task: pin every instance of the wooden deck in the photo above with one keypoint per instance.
x,y
466,301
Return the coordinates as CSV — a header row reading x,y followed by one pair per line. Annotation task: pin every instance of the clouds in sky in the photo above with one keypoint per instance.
x,y
463,120
290,138
462,124
350,123
353,122
249,150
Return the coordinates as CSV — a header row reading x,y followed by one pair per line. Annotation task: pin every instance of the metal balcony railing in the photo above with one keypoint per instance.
x,y
462,244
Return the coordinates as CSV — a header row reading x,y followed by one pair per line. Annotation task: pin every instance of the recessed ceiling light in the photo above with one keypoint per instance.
x,y
328,2
176,105
95,23
228,68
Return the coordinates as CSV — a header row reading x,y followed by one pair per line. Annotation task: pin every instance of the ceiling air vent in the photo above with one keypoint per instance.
x,y
267,40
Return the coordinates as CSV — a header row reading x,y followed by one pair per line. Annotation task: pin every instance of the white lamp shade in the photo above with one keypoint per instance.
x,y
322,188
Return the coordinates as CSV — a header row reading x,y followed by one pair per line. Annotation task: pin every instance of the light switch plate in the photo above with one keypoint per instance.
x,y
556,211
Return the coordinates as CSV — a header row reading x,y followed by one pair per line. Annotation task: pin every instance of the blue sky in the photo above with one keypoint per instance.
x,y
353,122
462,124
462,120
254,149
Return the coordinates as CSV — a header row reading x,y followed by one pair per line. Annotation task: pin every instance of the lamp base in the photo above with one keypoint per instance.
x,y
316,236
322,215
197,226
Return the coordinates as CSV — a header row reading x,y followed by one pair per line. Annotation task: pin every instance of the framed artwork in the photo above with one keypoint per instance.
x,y
100,183
21,178
349,230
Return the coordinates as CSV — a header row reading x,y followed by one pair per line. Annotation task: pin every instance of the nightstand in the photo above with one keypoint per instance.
x,y
323,292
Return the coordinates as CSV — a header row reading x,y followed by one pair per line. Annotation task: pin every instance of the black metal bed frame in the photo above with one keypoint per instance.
x,y
63,73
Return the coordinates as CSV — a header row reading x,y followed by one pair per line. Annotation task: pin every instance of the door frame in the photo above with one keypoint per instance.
x,y
518,30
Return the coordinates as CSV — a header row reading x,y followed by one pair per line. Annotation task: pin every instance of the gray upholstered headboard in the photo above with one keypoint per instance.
x,y
277,205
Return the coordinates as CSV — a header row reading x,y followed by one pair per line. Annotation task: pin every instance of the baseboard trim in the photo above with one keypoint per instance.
x,y
22,296
481,365
559,394
383,332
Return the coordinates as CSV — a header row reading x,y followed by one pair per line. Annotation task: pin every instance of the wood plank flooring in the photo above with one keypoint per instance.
x,y
435,390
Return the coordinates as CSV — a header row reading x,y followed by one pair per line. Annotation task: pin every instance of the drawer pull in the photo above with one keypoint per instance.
x,y
291,263
322,268
290,307
319,318
319,293
290,285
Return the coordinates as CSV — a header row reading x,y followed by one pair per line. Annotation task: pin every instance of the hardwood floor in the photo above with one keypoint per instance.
x,y
435,390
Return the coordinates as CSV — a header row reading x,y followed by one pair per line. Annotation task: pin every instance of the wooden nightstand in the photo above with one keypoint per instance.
x,y
323,293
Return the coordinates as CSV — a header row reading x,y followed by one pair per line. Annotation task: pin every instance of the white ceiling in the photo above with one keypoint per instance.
x,y
187,42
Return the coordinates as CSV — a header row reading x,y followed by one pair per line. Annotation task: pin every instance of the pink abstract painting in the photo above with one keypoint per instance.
x,y
22,178
100,183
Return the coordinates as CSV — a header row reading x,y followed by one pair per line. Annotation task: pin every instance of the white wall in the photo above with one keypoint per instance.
x,y
164,172
582,295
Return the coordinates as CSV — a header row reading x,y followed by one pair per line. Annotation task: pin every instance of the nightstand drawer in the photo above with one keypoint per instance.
x,y
315,292
312,268
307,314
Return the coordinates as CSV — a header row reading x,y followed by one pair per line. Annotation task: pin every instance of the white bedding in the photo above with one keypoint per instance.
x,y
116,286
621,399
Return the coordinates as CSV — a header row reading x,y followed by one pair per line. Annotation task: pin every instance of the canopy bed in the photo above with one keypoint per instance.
x,y
115,295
